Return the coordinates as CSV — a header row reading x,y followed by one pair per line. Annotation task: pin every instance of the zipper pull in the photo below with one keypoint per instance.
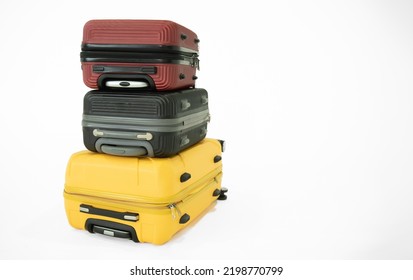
x,y
183,219
174,210
195,61
197,64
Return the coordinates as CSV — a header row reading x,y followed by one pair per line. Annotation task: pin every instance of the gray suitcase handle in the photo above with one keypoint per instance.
x,y
123,151
126,84
124,147
126,81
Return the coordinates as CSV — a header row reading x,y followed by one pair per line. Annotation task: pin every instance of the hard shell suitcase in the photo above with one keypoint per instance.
x,y
143,199
146,124
157,54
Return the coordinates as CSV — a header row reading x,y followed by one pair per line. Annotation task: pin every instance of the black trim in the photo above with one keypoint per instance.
x,y
124,69
138,48
127,77
89,209
119,230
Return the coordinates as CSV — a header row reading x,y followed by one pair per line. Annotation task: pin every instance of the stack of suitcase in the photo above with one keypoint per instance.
x,y
149,170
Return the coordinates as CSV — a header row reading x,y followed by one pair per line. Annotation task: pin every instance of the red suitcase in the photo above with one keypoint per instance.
x,y
150,54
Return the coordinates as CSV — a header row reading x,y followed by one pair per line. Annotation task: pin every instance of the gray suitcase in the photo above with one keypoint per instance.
x,y
149,124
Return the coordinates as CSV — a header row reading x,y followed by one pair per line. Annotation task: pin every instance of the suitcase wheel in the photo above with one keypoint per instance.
x,y
222,195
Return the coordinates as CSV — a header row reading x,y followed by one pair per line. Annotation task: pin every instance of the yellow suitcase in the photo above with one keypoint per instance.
x,y
143,199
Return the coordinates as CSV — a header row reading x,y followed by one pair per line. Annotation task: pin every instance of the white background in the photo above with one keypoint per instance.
x,y
314,100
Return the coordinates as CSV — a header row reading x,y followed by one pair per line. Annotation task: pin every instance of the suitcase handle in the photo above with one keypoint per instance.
x,y
126,81
127,216
126,84
124,147
112,229
124,69
123,151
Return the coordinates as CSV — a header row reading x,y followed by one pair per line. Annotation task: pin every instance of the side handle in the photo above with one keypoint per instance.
x,y
112,229
124,147
123,151
126,82
125,69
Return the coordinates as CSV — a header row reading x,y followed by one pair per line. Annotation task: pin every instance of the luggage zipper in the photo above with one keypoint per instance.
x,y
136,124
175,212
133,57
130,198
148,202
139,48
170,54
142,203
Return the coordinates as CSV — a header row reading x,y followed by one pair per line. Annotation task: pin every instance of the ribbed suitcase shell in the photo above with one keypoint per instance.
x,y
162,34
159,191
185,110
148,32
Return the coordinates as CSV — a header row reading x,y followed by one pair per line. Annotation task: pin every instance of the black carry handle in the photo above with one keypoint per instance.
x,y
127,78
112,229
127,216
125,69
